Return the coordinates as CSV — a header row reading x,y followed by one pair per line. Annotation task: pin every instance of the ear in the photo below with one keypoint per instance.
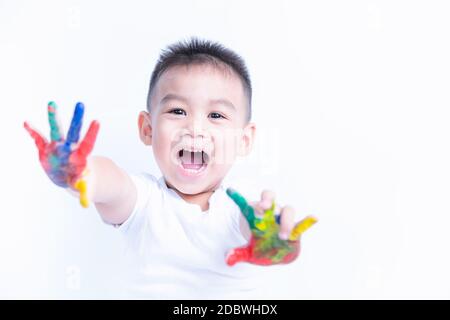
x,y
247,139
145,128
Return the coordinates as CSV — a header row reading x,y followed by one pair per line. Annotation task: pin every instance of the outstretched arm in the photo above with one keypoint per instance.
x,y
113,192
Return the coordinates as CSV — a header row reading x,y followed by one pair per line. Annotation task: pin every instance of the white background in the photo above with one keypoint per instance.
x,y
351,99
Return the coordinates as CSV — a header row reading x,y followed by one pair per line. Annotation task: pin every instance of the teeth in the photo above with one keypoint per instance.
x,y
192,157
182,151
192,150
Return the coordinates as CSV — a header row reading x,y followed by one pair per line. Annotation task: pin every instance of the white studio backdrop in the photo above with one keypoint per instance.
x,y
352,105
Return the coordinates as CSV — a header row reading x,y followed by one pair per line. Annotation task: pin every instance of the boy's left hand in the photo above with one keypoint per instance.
x,y
275,239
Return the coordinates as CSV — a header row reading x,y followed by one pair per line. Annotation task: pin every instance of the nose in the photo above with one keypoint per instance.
x,y
197,133
196,128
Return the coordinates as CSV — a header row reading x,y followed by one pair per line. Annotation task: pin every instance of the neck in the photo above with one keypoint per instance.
x,y
201,199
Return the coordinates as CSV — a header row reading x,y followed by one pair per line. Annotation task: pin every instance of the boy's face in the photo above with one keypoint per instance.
x,y
197,126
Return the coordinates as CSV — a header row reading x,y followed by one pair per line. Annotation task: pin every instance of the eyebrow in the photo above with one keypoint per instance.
x,y
172,96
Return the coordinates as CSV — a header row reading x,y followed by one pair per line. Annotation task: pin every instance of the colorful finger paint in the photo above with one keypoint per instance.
x,y
265,246
64,160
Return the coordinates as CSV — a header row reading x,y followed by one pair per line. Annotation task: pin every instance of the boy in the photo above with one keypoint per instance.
x,y
179,227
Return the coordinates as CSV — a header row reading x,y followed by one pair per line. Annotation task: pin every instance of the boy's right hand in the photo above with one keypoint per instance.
x,y
64,160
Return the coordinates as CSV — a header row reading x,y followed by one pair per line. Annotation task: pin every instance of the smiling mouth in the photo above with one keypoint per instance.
x,y
193,161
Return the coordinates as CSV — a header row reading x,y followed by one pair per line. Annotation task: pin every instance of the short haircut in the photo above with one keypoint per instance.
x,y
197,51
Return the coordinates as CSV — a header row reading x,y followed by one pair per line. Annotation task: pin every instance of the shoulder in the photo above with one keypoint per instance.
x,y
144,178
146,184
148,194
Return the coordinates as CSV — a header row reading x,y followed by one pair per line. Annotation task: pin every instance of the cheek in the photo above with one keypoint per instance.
x,y
162,139
225,149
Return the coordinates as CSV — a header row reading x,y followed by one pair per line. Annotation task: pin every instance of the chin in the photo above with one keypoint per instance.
x,y
193,187
184,186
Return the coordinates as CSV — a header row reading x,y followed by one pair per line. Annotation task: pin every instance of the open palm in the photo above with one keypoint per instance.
x,y
64,160
265,246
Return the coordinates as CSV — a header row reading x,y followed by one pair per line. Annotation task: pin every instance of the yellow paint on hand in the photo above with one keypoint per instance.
x,y
81,186
267,218
301,227
261,225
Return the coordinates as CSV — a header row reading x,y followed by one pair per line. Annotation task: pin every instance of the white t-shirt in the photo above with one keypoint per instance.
x,y
176,251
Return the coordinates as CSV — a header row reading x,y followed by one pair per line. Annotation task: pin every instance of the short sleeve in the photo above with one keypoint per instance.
x,y
144,187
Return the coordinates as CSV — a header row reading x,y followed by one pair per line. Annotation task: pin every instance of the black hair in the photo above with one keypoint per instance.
x,y
198,51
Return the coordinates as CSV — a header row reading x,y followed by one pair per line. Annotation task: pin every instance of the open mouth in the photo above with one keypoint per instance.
x,y
193,161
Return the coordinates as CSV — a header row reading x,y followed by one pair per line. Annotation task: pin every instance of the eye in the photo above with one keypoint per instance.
x,y
216,115
178,111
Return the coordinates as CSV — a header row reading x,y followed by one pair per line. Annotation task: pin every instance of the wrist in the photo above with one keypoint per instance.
x,y
88,175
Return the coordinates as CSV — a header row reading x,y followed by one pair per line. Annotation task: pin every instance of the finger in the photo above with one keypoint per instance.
x,y
246,209
287,223
259,211
55,129
81,187
301,227
238,199
267,219
238,255
86,146
40,141
267,199
77,120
